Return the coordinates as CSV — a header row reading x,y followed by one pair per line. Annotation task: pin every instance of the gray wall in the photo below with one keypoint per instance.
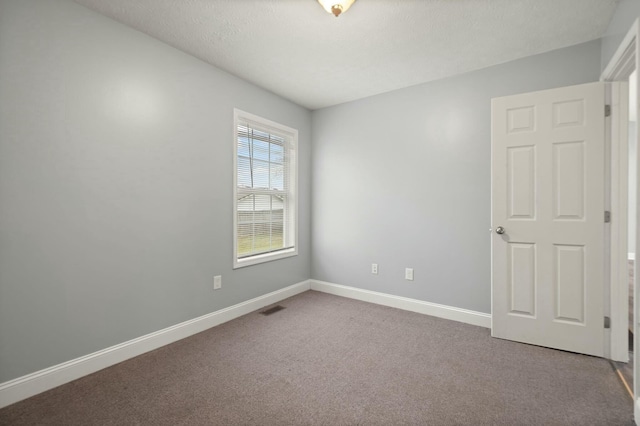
x,y
403,179
116,185
626,13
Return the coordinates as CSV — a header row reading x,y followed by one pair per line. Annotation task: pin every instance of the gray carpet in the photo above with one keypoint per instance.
x,y
327,360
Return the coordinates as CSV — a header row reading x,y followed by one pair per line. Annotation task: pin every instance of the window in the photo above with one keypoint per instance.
x,y
265,197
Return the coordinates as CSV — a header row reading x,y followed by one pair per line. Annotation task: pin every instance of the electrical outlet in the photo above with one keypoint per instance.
x,y
408,274
217,282
374,268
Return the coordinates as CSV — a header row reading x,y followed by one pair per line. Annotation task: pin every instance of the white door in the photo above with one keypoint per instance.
x,y
548,162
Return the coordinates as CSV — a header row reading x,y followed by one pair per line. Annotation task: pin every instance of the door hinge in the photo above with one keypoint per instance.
x,y
607,110
607,217
607,322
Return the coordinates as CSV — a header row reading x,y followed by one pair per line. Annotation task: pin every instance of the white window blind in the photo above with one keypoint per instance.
x,y
265,182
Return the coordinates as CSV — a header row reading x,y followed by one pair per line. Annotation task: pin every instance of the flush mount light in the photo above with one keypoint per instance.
x,y
336,6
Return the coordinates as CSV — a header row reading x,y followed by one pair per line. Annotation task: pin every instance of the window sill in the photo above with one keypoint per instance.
x,y
263,258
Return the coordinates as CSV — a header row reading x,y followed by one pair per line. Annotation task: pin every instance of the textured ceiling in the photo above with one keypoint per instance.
x,y
297,50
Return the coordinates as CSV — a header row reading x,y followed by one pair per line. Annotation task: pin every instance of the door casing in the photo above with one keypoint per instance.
x,y
625,60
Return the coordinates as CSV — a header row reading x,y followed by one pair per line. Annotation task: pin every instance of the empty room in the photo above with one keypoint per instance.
x,y
310,212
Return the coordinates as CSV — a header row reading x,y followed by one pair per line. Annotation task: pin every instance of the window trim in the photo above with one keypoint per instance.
x,y
279,129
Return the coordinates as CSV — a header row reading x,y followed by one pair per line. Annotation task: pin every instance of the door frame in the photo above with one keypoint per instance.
x,y
625,60
617,163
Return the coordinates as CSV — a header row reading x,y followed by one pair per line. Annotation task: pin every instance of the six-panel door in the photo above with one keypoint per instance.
x,y
548,193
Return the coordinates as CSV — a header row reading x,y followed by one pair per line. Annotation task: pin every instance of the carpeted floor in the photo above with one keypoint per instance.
x,y
328,360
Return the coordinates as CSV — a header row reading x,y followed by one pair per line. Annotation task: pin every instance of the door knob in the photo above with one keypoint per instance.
x,y
500,230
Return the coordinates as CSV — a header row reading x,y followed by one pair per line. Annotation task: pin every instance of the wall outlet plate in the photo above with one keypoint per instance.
x,y
217,282
408,274
374,268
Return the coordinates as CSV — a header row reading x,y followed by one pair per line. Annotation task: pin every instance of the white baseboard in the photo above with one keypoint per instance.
x,y
413,305
49,378
631,256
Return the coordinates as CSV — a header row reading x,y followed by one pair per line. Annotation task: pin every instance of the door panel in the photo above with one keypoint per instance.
x,y
521,179
569,283
522,275
568,180
548,193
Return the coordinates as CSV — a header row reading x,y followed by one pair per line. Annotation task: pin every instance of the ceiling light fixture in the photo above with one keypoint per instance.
x,y
336,6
